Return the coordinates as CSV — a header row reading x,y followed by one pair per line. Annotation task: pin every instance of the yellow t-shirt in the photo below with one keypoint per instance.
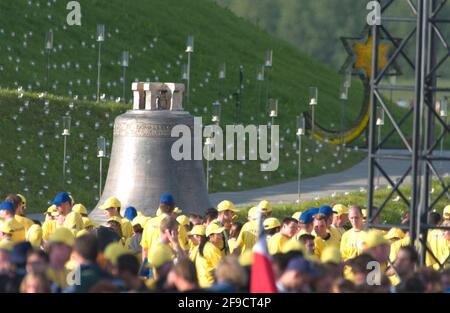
x,y
25,221
340,230
247,237
232,244
276,243
207,263
351,244
48,228
19,233
127,228
193,252
320,244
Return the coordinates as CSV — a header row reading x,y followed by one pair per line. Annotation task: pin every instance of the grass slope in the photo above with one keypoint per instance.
x,y
155,34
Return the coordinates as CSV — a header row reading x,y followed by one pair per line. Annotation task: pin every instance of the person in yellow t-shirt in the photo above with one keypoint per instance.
x,y
305,222
328,212
59,251
19,202
324,238
271,226
235,231
289,228
7,211
340,218
111,208
440,246
151,229
209,255
352,239
196,237
66,217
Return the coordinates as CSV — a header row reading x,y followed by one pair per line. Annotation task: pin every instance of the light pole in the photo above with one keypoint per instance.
x,y
189,51
48,49
209,142
65,134
273,110
343,96
313,101
260,79
300,133
268,65
100,39
101,153
125,59
379,123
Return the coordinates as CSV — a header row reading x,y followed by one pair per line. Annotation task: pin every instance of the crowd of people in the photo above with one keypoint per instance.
x,y
326,249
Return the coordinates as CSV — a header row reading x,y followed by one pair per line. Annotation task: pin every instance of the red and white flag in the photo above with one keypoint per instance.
x,y
262,279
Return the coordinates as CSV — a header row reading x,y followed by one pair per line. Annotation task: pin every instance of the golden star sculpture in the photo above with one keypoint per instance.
x,y
363,53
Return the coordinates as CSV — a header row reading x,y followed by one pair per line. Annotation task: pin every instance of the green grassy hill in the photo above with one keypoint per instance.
x,y
155,33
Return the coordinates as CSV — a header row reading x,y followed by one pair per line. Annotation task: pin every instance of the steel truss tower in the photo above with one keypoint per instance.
x,y
429,128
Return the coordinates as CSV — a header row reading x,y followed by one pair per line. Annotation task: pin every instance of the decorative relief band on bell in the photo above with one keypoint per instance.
x,y
133,129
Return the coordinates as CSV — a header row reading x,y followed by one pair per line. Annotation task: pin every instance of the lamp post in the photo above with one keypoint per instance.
x,y
313,101
189,51
300,133
217,108
222,76
260,79
65,134
125,59
379,123
100,39
208,143
48,49
268,66
343,96
273,110
101,153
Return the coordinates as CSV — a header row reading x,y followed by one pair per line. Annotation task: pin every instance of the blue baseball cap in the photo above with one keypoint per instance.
x,y
130,213
303,266
313,211
61,198
7,206
167,198
327,210
306,217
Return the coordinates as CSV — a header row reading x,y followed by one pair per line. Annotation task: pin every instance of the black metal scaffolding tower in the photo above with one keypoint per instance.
x,y
421,149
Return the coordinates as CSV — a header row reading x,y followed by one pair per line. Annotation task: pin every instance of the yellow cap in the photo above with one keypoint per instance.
x,y
83,232
51,209
139,219
87,222
160,255
293,245
446,212
79,208
331,255
114,250
226,205
6,245
199,230
24,200
177,210
374,238
271,222
114,219
183,220
111,202
364,212
253,213
296,215
6,228
34,235
62,235
265,206
246,258
213,228
394,233
340,209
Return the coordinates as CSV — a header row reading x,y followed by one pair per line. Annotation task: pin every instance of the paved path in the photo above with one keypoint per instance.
x,y
351,179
